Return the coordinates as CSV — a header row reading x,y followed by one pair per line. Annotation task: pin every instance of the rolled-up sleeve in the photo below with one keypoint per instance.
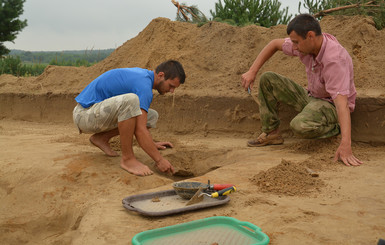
x,y
337,79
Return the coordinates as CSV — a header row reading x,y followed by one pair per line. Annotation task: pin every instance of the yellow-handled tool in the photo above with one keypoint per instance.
x,y
198,197
223,192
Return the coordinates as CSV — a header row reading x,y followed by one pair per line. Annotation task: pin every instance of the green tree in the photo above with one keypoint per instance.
x,y
14,66
10,24
320,8
265,13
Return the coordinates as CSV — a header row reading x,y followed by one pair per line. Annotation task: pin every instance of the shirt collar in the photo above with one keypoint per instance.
x,y
322,50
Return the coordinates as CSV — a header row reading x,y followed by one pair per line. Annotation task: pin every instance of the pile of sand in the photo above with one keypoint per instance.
x,y
287,178
215,55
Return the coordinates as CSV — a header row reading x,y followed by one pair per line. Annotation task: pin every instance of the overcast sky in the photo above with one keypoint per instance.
x,y
56,25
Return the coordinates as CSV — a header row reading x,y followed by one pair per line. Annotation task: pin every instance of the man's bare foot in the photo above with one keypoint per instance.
x,y
102,145
133,166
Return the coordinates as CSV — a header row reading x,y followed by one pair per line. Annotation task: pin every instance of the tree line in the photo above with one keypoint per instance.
x,y
269,13
62,57
28,63
235,12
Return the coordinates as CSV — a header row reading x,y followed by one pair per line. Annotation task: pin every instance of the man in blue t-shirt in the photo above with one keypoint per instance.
x,y
118,103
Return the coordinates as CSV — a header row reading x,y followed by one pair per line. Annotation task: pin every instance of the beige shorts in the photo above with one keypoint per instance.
x,y
105,115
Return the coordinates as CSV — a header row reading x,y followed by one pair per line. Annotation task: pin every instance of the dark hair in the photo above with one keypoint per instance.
x,y
302,24
172,69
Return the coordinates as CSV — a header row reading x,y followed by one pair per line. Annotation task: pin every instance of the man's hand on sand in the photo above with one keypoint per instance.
x,y
163,145
165,166
344,153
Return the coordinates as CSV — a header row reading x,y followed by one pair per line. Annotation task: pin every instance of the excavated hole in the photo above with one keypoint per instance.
x,y
188,163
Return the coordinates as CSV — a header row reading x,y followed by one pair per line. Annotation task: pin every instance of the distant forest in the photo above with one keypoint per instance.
x,y
33,63
61,57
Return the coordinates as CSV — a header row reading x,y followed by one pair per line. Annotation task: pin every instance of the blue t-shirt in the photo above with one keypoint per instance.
x,y
119,81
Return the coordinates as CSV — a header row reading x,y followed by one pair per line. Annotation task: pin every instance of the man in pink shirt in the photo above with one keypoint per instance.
x,y
325,106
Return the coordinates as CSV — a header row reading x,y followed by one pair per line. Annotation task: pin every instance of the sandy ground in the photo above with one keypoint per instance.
x,y
56,188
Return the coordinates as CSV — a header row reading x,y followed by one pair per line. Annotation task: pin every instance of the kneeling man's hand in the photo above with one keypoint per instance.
x,y
163,145
165,166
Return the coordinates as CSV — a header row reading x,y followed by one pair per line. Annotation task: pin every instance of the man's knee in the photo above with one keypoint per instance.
x,y
297,126
152,118
128,106
268,81
306,128
267,77
129,100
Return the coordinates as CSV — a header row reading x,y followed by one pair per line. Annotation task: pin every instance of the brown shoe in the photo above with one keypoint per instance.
x,y
266,139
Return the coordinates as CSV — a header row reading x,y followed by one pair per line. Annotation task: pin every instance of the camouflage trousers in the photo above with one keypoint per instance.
x,y
105,115
317,118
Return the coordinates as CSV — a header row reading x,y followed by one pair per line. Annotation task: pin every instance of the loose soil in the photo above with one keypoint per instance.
x,y
56,188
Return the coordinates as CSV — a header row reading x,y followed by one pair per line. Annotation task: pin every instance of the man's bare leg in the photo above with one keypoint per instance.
x,y
129,162
102,139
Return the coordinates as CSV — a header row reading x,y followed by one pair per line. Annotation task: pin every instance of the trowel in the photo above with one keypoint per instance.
x,y
253,96
199,195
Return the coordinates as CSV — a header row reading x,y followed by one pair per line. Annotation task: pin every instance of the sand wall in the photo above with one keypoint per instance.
x,y
183,114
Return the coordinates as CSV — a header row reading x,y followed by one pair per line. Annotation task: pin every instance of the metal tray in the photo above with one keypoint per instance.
x,y
167,202
213,230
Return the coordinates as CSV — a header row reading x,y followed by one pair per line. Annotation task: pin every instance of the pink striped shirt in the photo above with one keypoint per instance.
x,y
330,73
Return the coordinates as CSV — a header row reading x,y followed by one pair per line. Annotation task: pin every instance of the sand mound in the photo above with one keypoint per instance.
x,y
287,178
215,55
